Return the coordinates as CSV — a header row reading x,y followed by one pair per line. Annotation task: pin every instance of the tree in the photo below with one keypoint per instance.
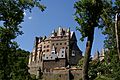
x,y
89,14
112,57
20,69
11,16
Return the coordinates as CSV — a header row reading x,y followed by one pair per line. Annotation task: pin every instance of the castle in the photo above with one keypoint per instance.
x,y
58,50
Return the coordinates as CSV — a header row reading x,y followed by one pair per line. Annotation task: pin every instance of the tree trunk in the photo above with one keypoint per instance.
x,y
117,34
87,54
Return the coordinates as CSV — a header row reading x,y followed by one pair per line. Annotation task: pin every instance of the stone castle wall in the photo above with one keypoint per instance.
x,y
53,63
63,74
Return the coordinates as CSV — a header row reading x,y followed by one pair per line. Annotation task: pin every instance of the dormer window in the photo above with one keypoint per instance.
x,y
52,52
73,53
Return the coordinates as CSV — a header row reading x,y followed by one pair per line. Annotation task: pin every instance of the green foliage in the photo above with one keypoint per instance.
x,y
111,69
117,3
103,78
91,13
20,69
93,69
111,65
13,61
80,63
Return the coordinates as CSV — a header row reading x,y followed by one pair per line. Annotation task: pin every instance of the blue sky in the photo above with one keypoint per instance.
x,y
58,13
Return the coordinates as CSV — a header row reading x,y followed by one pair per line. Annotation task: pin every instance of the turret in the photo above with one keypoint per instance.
x,y
60,31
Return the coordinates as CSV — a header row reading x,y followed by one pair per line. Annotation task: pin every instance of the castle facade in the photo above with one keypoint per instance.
x,y
58,50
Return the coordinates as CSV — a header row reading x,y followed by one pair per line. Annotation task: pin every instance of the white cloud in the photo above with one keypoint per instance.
x,y
30,17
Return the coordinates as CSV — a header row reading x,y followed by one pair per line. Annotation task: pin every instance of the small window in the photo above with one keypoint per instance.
x,y
47,57
60,43
63,47
62,51
43,50
51,57
53,44
65,43
55,48
47,50
59,75
73,53
43,55
47,46
61,55
66,47
61,36
44,46
56,43
52,52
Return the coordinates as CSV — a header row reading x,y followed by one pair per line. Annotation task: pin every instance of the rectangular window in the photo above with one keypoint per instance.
x,y
47,46
66,47
56,43
43,50
65,43
44,46
47,50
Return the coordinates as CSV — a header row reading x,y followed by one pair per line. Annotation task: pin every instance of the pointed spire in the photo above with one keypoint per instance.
x,y
53,33
68,31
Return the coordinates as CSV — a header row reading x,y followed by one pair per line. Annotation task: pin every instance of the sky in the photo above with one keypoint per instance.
x,y
58,13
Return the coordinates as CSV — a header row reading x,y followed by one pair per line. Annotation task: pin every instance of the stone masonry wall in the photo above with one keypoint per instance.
x,y
72,74
50,64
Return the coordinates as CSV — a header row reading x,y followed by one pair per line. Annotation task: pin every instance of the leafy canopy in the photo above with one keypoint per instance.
x,y
91,13
11,16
